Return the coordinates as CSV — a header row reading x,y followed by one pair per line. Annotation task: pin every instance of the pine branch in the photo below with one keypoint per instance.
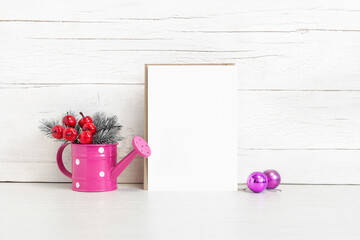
x,y
108,129
46,126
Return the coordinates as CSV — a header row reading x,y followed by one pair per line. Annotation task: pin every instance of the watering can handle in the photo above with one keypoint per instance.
x,y
60,163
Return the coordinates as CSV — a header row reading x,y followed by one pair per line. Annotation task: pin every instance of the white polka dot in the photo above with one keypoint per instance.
x,y
77,161
101,149
101,174
77,185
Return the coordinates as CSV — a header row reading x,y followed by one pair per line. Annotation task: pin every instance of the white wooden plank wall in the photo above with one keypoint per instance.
x,y
299,77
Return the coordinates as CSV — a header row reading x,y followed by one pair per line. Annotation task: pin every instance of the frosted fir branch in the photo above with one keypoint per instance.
x,y
108,128
46,126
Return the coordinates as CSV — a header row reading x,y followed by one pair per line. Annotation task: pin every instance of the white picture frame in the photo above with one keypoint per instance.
x,y
191,127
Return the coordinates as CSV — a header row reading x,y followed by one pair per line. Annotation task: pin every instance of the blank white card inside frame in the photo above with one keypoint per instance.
x,y
192,127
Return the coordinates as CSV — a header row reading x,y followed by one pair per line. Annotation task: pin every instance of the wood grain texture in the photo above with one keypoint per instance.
x,y
30,171
277,45
299,120
24,146
303,166
298,72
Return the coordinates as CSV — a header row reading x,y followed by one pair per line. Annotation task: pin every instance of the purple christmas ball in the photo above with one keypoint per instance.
x,y
257,182
273,178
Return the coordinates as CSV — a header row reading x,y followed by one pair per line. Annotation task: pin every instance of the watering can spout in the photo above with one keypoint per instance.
x,y
141,148
120,167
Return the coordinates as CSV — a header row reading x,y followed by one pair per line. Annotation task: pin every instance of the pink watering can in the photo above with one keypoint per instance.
x,y
94,165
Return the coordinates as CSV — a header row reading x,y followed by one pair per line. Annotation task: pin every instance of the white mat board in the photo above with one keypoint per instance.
x,y
192,127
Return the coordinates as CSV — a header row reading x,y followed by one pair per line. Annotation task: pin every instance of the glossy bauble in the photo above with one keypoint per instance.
x,y
273,178
70,134
57,131
85,137
69,121
84,120
89,127
257,182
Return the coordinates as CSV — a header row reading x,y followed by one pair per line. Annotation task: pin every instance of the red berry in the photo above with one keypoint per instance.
x,y
85,137
84,120
70,134
57,131
69,121
89,127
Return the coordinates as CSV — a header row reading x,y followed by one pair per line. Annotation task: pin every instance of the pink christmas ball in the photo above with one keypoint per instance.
x,y
257,182
273,178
